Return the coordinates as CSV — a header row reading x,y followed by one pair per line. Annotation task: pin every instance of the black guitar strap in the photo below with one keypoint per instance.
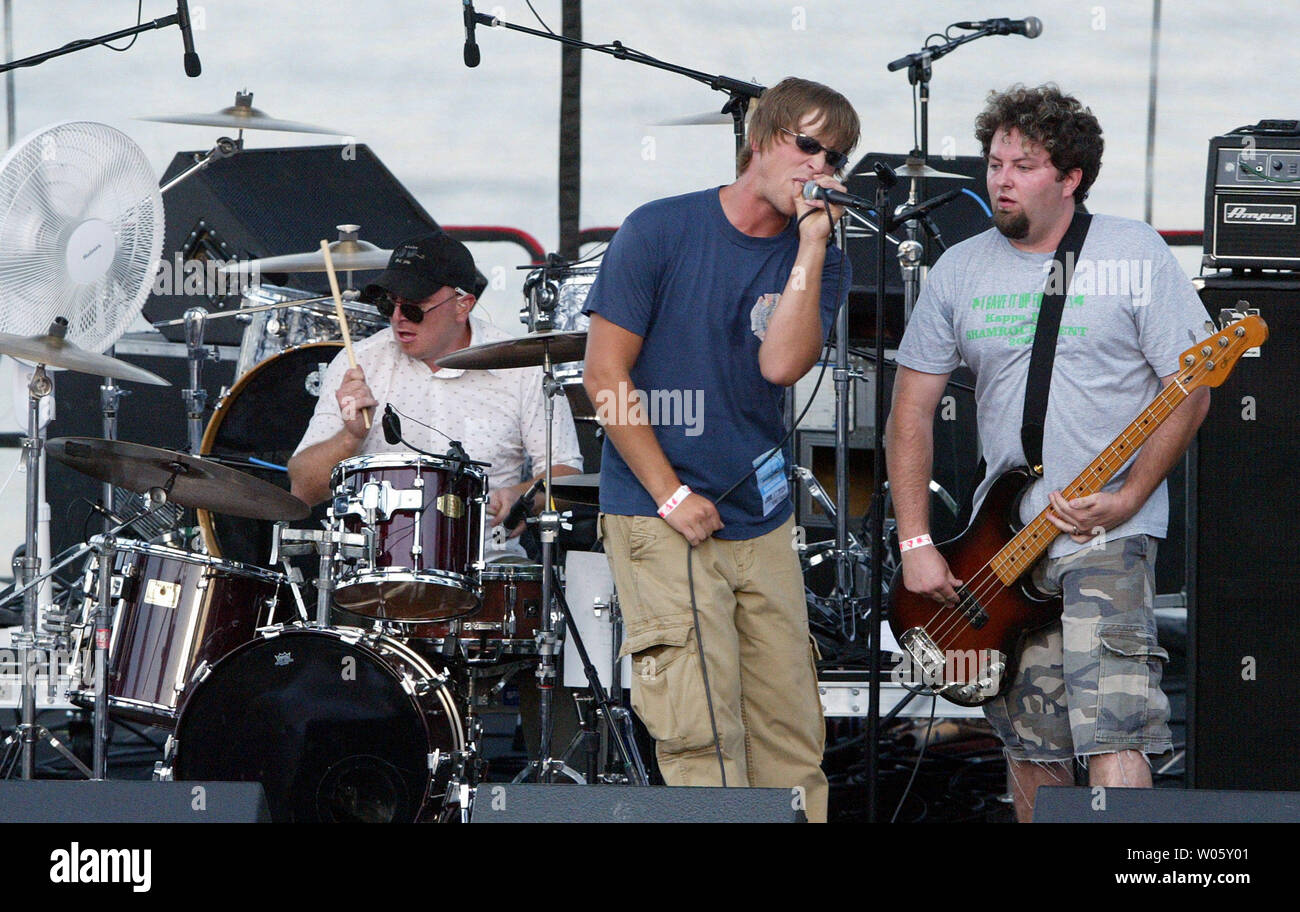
x,y
1039,381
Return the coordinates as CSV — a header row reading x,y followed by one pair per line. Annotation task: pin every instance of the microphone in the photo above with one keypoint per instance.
x,y
1030,26
922,210
812,191
471,49
392,426
521,510
192,65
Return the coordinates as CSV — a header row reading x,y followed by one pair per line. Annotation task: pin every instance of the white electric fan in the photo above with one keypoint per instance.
x,y
81,230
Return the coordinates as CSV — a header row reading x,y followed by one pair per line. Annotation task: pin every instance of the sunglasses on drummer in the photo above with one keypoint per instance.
x,y
809,146
387,304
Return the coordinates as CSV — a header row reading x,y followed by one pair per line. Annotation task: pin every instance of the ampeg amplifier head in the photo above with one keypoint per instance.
x,y
1252,198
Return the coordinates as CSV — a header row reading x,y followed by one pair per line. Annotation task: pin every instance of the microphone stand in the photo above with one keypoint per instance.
x,y
739,92
82,44
918,64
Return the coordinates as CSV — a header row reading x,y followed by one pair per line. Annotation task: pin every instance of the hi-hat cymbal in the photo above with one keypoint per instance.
x,y
914,167
578,489
526,351
53,350
199,483
349,254
243,116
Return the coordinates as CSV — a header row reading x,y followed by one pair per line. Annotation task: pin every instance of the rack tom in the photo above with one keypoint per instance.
x,y
421,518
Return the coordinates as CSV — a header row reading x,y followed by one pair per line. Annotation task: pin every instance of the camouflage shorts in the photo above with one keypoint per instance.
x,y
1090,684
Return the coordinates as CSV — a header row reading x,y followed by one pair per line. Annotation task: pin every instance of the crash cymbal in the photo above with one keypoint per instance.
x,y
53,350
349,253
914,167
199,483
243,116
578,489
526,351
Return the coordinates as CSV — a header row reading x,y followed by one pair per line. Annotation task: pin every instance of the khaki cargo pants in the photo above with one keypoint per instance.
x,y
762,677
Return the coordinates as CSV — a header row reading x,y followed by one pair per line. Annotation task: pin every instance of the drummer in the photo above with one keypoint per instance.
x,y
428,293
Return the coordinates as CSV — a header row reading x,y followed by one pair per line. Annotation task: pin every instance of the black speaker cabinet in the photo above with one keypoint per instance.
x,y
502,803
1244,714
108,801
1060,804
270,202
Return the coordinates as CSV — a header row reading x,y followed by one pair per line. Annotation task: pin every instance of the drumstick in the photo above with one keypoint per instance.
x,y
343,317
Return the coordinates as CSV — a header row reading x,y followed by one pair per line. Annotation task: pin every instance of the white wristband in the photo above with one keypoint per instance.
x,y
923,539
673,502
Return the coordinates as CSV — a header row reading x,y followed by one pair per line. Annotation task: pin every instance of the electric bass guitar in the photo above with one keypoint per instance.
x,y
966,652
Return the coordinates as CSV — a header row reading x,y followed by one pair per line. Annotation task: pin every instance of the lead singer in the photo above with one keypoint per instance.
x,y
706,307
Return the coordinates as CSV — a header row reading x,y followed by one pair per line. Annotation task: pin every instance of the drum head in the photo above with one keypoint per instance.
x,y
324,725
264,416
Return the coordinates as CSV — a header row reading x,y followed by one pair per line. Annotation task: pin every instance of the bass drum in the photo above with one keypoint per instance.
x,y
263,417
338,725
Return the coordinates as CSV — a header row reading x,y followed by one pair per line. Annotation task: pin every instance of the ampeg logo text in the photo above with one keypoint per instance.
x,y
102,866
1258,214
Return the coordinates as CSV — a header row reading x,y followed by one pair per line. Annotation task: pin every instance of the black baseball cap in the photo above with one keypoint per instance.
x,y
422,265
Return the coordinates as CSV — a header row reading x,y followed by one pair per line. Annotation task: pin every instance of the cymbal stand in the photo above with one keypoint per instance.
x,y
224,148
28,640
110,397
613,721
548,525
196,397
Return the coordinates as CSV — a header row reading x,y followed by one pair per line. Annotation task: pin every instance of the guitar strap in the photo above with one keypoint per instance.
x,y
1039,381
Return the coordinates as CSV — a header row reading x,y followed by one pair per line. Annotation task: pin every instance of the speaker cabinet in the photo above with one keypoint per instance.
x,y
270,202
1060,804
111,801
495,803
1243,719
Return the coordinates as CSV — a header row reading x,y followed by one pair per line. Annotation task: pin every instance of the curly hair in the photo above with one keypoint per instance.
x,y
786,103
1068,131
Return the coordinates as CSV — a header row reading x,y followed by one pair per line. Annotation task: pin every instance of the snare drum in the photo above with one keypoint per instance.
x,y
422,518
506,623
337,724
174,613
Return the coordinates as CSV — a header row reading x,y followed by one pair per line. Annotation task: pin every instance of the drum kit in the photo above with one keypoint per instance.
x,y
202,638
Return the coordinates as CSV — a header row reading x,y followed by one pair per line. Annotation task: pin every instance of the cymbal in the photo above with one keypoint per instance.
x,y
526,351
243,116
53,350
578,489
349,253
199,483
914,167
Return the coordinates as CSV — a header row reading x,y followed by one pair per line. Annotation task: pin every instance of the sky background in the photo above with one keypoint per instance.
x,y
479,146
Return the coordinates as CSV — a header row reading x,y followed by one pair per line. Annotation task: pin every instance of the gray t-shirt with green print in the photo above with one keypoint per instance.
x,y
1130,312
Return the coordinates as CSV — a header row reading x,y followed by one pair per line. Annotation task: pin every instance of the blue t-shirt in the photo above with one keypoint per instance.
x,y
699,292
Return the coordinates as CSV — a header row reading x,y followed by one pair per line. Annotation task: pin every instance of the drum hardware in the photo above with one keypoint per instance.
x,y
196,397
591,588
327,543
